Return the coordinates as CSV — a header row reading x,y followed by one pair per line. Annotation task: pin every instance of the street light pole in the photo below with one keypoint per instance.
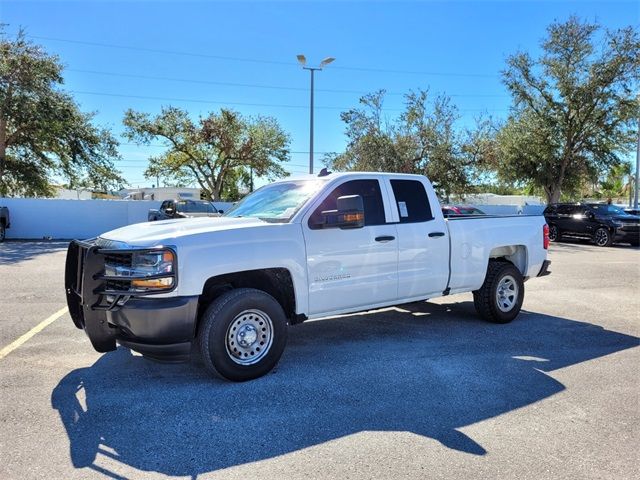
x,y
635,194
312,70
303,61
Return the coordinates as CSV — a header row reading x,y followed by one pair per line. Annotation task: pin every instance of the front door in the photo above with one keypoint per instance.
x,y
351,268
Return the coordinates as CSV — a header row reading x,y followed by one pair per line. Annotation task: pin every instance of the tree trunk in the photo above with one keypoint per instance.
x,y
553,194
3,151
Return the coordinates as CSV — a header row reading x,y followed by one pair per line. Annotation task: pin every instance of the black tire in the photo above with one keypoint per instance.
x,y
486,298
236,312
554,233
602,237
2,233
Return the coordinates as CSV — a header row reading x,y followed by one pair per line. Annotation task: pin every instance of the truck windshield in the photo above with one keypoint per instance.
x,y
277,202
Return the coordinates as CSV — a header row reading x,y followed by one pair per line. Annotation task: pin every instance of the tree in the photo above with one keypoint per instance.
x,y
617,183
43,133
423,139
574,111
216,152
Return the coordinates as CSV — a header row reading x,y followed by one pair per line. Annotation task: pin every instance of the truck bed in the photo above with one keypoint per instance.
x,y
474,239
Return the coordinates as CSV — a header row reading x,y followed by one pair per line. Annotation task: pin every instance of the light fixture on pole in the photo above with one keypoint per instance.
x,y
303,61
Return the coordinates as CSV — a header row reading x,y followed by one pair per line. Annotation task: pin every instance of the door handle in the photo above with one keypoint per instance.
x,y
436,234
385,238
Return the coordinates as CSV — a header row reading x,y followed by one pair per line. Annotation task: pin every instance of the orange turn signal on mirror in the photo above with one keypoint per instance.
x,y
153,283
353,217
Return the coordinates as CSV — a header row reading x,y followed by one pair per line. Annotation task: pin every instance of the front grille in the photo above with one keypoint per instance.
x,y
630,227
120,285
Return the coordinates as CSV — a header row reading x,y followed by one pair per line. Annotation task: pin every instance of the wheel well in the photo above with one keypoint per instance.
x,y
277,282
515,254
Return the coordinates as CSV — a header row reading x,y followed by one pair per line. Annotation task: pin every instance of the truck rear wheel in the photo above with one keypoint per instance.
x,y
499,300
242,334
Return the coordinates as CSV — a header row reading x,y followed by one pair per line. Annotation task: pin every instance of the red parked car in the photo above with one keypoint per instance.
x,y
460,210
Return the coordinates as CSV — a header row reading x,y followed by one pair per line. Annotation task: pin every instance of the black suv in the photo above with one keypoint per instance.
x,y
603,223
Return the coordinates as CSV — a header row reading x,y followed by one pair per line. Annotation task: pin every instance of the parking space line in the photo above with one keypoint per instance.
x,y
37,329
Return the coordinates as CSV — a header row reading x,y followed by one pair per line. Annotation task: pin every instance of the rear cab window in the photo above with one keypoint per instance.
x,y
411,200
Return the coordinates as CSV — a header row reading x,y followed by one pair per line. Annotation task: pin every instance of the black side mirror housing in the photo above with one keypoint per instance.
x,y
169,211
349,214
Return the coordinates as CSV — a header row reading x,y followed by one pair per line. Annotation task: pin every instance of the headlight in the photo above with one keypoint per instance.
x,y
151,270
618,224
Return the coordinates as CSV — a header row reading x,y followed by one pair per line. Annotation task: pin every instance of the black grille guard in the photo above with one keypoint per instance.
x,y
88,297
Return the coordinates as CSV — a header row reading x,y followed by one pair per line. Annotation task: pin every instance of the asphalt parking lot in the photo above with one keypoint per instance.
x,y
425,390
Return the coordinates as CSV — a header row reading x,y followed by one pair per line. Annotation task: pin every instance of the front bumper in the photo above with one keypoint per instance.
x,y
159,327
626,235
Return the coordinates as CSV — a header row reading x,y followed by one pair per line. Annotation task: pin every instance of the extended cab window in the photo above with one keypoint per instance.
x,y
411,201
369,190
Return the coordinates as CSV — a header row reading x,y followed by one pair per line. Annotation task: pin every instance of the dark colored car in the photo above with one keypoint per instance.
x,y
460,210
4,222
602,223
184,209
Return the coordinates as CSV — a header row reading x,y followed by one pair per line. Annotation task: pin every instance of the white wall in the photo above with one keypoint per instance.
x,y
224,206
35,218
512,209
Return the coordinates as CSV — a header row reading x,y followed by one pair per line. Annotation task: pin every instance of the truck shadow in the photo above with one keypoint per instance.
x,y
422,368
15,251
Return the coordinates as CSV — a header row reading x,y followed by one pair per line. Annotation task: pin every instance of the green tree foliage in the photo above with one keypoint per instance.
x,y
617,183
43,133
216,152
574,108
423,139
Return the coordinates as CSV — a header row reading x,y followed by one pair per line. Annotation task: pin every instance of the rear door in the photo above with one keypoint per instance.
x,y
351,268
423,239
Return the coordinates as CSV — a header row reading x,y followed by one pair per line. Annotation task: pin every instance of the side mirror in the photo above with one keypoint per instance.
x,y
220,212
169,211
349,214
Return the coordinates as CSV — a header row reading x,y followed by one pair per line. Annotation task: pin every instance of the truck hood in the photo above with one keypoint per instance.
x,y
150,234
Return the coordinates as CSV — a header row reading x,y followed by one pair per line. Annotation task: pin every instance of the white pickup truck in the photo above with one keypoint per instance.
x,y
293,250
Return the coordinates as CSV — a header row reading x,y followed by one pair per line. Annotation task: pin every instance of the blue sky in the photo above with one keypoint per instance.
x,y
205,55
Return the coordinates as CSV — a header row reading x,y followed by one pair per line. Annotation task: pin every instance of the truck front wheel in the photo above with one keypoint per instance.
x,y
242,334
499,300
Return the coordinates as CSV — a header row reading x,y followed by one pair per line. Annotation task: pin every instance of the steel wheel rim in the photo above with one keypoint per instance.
x,y
601,237
553,233
507,293
249,337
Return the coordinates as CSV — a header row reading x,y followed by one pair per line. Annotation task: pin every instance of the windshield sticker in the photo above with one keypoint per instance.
x,y
402,206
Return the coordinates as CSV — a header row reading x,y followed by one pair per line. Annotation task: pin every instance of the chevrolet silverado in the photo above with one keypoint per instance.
x,y
229,287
